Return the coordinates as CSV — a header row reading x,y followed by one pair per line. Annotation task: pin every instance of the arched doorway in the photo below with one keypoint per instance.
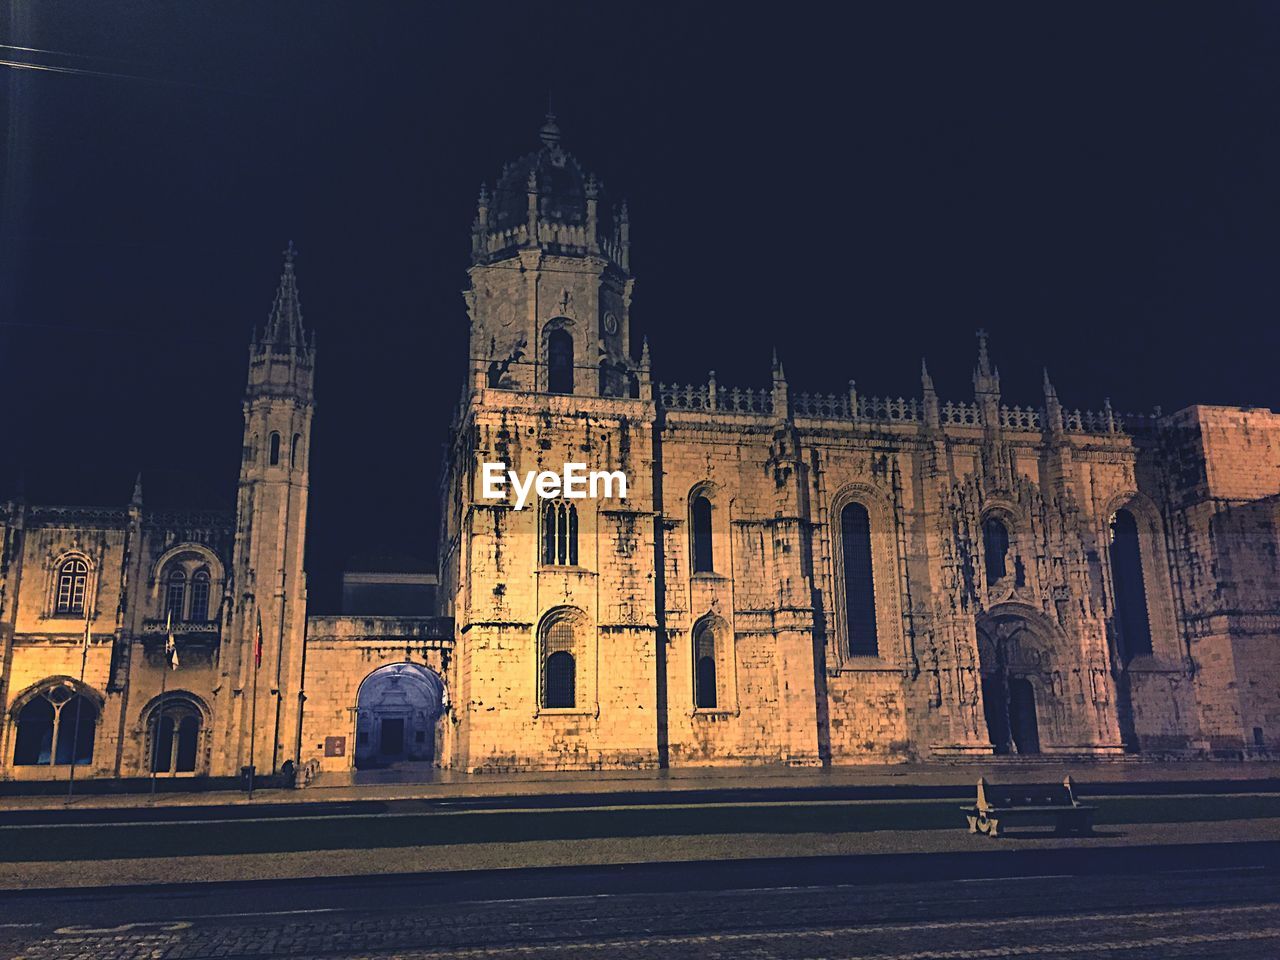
x,y
1014,656
396,712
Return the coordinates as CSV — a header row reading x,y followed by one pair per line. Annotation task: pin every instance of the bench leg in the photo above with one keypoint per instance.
x,y
973,823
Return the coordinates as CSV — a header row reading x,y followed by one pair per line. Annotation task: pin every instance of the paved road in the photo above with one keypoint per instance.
x,y
1190,902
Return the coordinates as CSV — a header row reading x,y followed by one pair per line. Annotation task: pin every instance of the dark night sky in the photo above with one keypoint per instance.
x,y
1095,184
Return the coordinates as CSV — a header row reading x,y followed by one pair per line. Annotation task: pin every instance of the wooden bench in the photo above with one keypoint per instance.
x,y
997,804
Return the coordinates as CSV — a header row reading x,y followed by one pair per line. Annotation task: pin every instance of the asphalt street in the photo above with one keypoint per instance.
x,y
1190,901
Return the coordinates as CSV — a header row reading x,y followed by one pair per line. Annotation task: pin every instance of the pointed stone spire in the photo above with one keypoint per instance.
x,y
781,396
284,326
984,361
986,386
932,420
136,499
1052,407
645,378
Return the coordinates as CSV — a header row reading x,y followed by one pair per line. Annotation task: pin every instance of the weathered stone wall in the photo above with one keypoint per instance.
x,y
1224,468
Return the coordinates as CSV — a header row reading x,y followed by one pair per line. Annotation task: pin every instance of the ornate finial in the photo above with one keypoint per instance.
x,y
644,352
984,362
136,499
926,381
591,189
623,216
532,183
483,199
1049,390
549,133
289,253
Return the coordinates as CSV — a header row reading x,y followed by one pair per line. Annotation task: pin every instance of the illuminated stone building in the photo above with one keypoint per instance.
x,y
792,578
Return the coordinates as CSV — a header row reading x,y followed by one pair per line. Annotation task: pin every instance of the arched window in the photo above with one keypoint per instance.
x,y
175,594
1130,586
700,522
56,726
560,362
295,451
175,737
559,533
558,665
704,668
73,577
275,449
199,611
859,587
995,543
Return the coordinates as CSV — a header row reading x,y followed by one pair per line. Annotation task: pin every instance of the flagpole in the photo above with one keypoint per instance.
x,y
164,680
253,708
75,738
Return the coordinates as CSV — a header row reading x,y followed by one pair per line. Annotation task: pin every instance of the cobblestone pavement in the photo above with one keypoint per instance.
x,y
1227,913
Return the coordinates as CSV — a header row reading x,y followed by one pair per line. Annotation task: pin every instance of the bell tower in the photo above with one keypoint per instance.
x,y
550,292
261,690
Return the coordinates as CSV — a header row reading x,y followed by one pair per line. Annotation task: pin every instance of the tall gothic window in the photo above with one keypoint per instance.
x,y
559,667
560,362
995,543
700,521
199,611
704,668
73,577
559,533
175,737
859,588
55,727
175,594
275,449
1130,586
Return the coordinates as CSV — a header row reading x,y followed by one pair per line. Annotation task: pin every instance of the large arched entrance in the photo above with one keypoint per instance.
x,y
396,712
1016,659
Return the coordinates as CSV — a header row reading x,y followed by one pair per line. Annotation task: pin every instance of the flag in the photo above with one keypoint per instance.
x,y
170,645
257,655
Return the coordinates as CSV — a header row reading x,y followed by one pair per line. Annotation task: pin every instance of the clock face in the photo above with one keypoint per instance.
x,y
610,323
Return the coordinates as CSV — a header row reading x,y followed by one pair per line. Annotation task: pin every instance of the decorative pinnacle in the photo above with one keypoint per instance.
x,y
1049,390
136,499
644,353
926,381
984,362
484,195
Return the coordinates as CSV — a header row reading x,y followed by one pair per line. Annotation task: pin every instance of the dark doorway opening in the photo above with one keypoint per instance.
x,y
391,742
1022,716
996,707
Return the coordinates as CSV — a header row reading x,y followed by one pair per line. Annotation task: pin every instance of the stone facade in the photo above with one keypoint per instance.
x,y
791,578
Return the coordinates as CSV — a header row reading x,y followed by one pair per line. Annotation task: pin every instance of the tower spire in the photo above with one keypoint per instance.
x,y
284,326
